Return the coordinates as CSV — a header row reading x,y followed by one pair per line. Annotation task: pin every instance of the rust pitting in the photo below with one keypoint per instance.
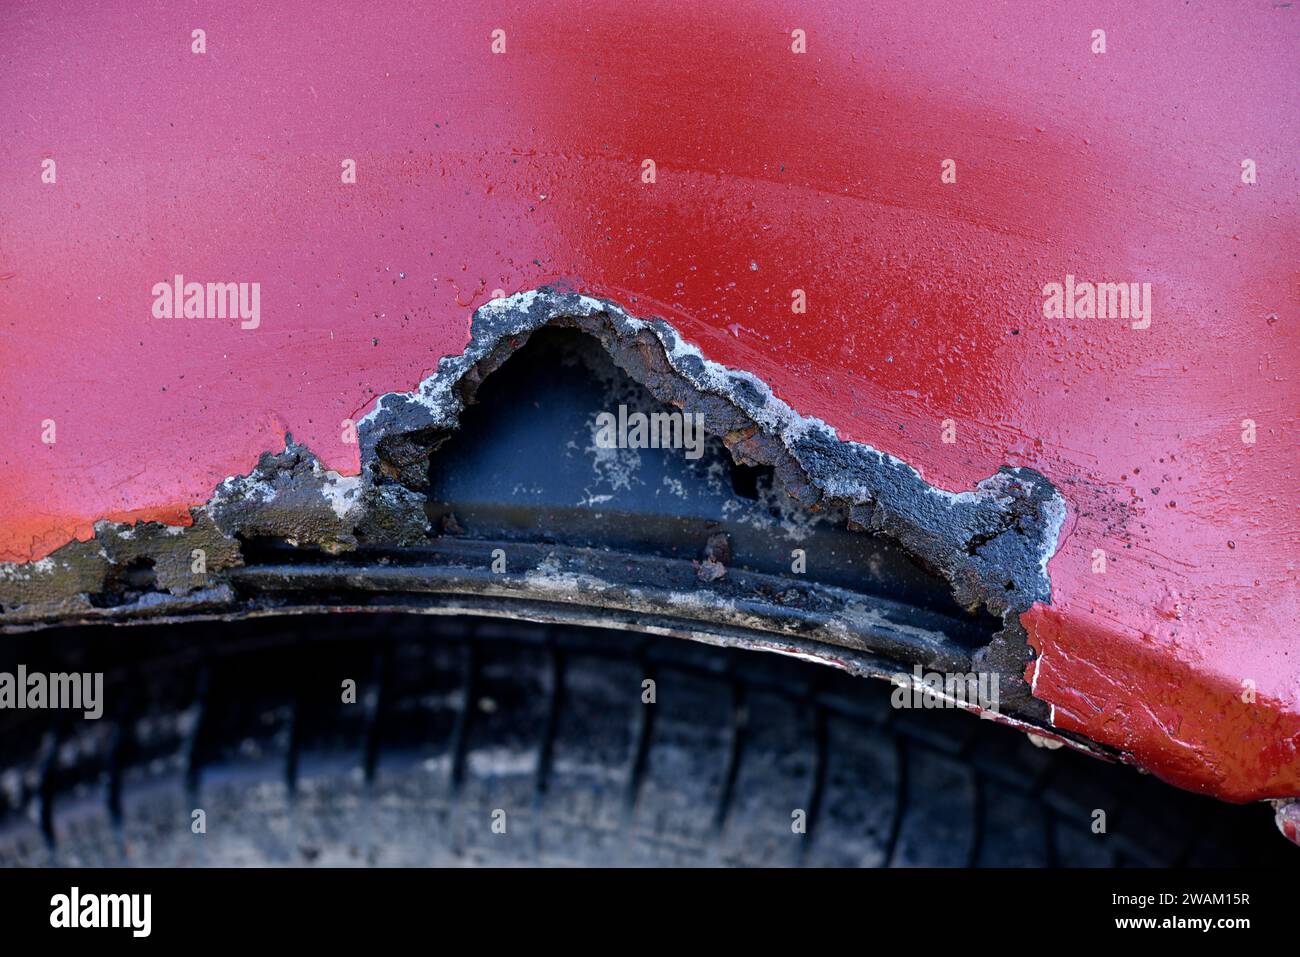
x,y
991,544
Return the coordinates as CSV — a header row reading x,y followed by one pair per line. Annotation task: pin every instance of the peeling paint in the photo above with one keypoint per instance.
x,y
992,544
1005,530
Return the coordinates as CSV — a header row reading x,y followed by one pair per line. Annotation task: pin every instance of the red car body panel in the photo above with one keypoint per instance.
x,y
775,171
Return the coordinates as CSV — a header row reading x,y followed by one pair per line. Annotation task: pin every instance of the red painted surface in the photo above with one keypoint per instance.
x,y
775,171
1288,821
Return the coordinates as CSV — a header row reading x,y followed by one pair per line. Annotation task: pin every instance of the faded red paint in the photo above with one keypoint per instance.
x,y
775,171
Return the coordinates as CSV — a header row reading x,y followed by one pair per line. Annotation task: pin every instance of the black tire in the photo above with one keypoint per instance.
x,y
458,718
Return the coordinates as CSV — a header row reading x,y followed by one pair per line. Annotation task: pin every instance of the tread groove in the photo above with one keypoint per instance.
x,y
734,755
821,768
194,739
546,746
372,726
899,808
645,732
978,821
45,788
